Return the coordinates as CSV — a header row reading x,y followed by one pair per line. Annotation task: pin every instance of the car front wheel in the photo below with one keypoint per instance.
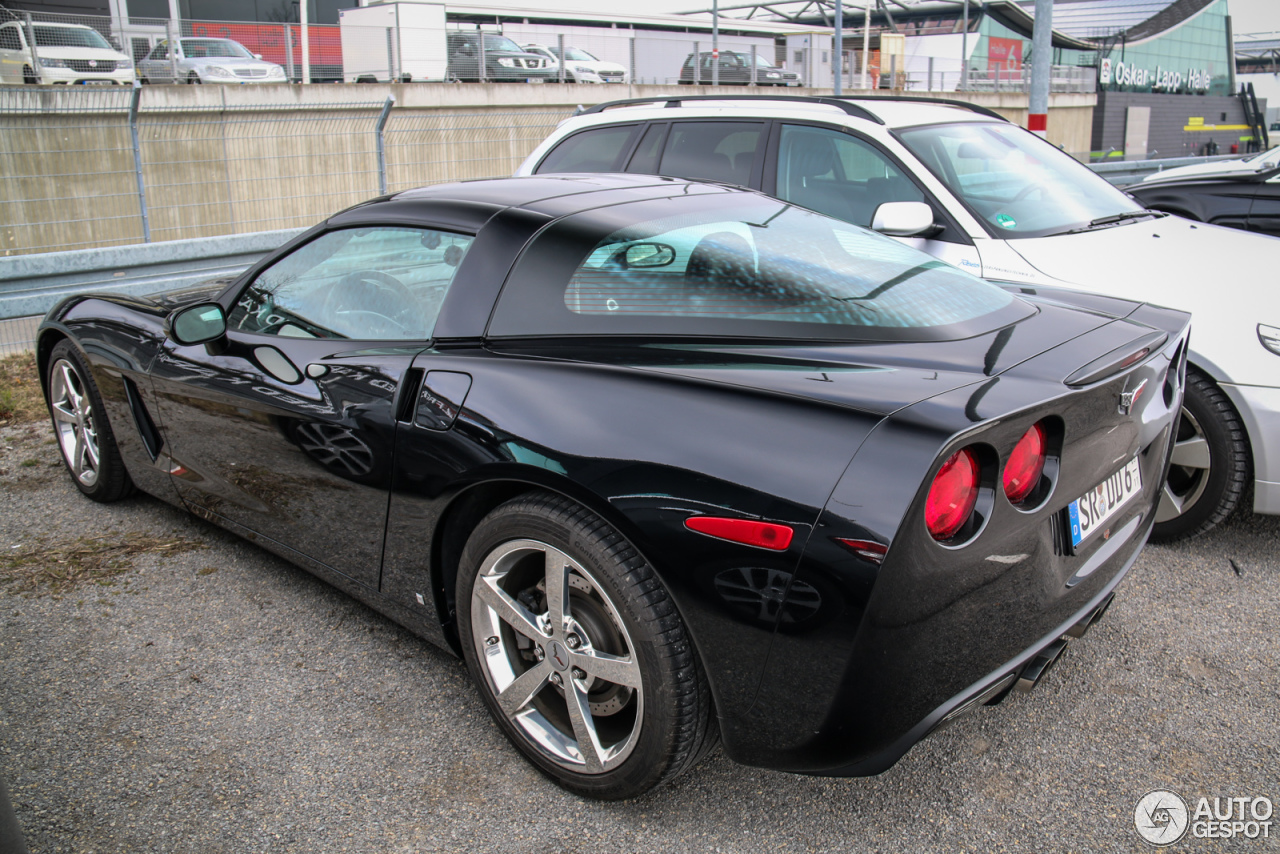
x,y
80,425
578,650
1211,464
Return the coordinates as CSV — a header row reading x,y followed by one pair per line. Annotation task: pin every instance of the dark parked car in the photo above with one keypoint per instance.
x,y
663,461
735,70
503,60
1241,194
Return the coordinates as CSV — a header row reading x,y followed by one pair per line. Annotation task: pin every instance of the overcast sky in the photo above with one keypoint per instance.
x,y
1248,16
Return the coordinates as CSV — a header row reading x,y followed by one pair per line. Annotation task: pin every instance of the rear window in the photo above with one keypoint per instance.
x,y
733,264
598,150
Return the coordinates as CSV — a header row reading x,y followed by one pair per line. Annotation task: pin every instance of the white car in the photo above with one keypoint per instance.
x,y
580,66
206,60
978,192
64,53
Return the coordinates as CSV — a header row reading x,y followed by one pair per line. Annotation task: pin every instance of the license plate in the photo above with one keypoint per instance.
x,y
1090,511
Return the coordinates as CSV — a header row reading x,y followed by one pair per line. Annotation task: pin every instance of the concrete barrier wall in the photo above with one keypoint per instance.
x,y
222,160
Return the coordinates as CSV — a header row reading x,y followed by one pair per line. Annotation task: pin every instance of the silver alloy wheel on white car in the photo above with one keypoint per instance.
x,y
72,410
557,656
1189,471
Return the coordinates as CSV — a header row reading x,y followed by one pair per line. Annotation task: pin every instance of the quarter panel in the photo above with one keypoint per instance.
x,y
645,453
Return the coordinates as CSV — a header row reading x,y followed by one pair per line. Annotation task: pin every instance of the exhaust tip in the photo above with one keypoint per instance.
x,y
1036,669
1086,622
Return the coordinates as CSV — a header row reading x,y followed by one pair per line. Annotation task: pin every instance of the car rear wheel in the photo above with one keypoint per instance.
x,y
80,425
194,79
578,650
28,76
1211,464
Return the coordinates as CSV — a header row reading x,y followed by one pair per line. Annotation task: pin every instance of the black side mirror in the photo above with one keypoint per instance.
x,y
203,323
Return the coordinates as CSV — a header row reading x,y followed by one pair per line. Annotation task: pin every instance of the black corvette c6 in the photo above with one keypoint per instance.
x,y
664,462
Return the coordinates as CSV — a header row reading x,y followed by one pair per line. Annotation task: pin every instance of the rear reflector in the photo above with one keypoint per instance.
x,y
763,535
952,496
866,549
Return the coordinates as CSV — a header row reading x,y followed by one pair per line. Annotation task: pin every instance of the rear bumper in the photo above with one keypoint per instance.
x,y
1259,408
992,687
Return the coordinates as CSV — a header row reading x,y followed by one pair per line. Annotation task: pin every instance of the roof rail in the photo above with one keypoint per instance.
x,y
923,99
677,100
841,103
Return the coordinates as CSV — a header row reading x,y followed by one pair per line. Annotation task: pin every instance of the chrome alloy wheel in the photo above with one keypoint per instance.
x,y
73,418
1189,472
557,656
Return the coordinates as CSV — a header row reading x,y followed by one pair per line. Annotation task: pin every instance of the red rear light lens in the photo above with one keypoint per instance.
x,y
1026,463
952,496
764,535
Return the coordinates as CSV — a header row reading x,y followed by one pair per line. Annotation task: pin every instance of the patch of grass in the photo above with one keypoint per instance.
x,y
57,567
21,400
26,464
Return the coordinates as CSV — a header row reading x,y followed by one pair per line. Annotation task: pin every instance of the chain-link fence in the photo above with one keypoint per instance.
x,y
89,167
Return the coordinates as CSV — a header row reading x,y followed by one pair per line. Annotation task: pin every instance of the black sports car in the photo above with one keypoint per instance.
x,y
663,461
1242,194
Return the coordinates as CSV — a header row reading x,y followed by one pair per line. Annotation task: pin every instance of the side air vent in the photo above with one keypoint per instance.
x,y
142,420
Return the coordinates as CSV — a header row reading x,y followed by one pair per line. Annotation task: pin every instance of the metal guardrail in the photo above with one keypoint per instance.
x,y
31,284
1122,173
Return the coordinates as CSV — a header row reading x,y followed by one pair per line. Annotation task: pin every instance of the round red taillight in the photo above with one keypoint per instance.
x,y
1026,463
952,495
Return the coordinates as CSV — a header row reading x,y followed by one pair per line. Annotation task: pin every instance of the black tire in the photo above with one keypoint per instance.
x,y
84,432
650,732
1197,498
193,79
28,76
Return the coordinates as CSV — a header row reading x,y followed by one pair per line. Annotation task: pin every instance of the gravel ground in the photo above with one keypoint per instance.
x,y
219,699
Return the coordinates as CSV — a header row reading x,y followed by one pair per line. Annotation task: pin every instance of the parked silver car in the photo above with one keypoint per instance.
x,y
205,60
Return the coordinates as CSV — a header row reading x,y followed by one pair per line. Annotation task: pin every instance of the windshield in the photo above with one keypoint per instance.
x,y
501,43
1015,182
70,37
576,54
761,62
741,265
201,48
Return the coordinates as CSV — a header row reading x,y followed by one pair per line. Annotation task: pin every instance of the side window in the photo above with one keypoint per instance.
x,y
161,51
374,284
713,151
838,174
598,150
9,39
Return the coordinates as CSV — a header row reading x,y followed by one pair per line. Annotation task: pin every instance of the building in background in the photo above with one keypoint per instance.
x,y
1163,70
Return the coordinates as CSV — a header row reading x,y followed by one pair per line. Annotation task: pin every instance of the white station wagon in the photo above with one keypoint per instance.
x,y
964,184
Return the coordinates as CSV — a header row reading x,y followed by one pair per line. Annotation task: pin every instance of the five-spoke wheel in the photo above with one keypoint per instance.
x,y
73,421
80,425
578,650
557,655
